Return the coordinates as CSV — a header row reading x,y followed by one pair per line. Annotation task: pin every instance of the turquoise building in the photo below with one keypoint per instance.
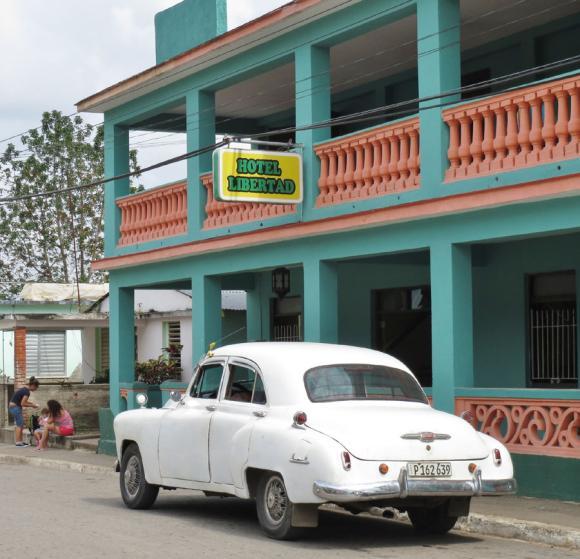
x,y
441,212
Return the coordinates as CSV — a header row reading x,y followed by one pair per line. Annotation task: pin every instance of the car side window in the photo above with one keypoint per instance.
x,y
245,385
207,382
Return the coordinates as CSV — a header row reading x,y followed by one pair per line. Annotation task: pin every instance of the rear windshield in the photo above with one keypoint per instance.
x,y
332,383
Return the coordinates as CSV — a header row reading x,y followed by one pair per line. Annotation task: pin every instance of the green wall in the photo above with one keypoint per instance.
x,y
499,286
547,477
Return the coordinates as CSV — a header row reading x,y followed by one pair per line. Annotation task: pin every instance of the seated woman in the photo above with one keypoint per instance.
x,y
59,422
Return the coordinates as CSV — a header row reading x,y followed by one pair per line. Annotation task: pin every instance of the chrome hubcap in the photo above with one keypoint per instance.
x,y
276,500
132,476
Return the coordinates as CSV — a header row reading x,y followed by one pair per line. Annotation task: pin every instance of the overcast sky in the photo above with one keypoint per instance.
x,y
56,52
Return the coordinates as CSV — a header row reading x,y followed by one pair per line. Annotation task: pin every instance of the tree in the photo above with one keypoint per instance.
x,y
52,238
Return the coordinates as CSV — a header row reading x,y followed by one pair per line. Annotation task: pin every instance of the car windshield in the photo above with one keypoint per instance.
x,y
332,383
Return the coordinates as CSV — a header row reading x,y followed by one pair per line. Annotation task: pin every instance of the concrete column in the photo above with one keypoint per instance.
x,y
19,357
320,302
254,314
206,313
452,321
439,69
313,103
200,107
121,341
116,163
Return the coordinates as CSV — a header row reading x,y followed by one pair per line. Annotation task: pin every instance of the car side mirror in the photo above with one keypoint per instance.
x,y
175,395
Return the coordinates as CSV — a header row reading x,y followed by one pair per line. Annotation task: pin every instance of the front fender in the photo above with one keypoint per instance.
x,y
142,427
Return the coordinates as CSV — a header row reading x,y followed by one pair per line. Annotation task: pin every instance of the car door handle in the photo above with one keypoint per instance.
x,y
260,413
211,407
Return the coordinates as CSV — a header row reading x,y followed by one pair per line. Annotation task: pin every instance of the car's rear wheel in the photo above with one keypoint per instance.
x,y
433,520
274,508
136,492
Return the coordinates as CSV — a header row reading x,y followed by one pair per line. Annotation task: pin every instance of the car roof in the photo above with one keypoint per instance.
x,y
283,364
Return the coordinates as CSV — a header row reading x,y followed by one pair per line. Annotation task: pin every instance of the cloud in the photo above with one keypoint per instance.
x,y
55,53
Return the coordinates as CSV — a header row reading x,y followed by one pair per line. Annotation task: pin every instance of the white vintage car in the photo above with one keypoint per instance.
x,y
297,425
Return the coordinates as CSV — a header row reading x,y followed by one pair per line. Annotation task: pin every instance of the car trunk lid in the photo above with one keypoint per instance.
x,y
397,431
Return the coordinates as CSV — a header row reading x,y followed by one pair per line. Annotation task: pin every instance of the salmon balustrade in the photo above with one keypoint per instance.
x,y
225,214
369,164
519,128
528,426
153,214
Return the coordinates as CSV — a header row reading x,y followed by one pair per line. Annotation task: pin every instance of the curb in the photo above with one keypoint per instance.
x,y
59,465
528,531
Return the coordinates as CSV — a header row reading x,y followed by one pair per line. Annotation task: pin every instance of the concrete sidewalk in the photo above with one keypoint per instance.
x,y
542,521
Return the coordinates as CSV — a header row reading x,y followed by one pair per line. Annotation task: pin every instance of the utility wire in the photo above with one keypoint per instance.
x,y
183,157
358,61
360,116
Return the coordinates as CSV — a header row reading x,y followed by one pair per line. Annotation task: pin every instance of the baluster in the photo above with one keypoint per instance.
x,y
349,173
331,182
413,163
340,184
487,144
376,170
476,149
464,145
393,161
499,144
524,132
137,221
561,128
453,151
536,129
384,168
511,138
573,147
549,128
402,167
322,181
358,169
367,173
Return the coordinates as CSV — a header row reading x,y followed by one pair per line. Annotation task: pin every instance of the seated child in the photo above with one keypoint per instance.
x,y
42,421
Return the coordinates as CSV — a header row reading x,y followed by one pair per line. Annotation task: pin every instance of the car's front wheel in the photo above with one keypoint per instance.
x,y
136,492
274,508
433,520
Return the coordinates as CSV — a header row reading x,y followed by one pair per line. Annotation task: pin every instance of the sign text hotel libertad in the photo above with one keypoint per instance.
x,y
257,176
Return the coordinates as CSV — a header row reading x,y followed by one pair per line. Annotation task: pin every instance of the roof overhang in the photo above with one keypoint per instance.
x,y
283,20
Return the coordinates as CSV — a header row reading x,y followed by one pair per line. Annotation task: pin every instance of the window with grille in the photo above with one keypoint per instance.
x,y
46,354
553,330
174,341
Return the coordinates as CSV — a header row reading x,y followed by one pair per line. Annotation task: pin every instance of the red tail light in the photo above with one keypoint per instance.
x,y
346,464
497,456
300,418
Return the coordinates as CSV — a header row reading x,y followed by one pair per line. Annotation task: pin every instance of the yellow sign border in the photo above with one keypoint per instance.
x,y
222,194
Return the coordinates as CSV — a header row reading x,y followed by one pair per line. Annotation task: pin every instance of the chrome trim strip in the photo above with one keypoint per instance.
x,y
426,437
404,487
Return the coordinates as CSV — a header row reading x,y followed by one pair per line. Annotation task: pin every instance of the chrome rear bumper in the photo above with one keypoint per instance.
x,y
404,487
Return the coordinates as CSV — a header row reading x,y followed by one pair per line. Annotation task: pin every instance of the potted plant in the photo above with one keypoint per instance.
x,y
156,371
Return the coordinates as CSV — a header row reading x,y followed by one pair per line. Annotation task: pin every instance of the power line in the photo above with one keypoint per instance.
x,y
356,62
361,116
100,182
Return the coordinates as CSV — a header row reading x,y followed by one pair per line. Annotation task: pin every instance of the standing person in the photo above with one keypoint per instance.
x,y
59,422
18,401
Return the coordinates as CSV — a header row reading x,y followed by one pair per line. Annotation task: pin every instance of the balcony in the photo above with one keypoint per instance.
x,y
154,214
369,164
519,129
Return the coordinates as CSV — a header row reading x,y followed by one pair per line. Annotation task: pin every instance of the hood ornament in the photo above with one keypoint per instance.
x,y
426,437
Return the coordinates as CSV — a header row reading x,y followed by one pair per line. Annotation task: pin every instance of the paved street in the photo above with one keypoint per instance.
x,y
83,515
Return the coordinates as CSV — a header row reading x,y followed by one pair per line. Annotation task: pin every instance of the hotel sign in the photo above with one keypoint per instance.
x,y
270,177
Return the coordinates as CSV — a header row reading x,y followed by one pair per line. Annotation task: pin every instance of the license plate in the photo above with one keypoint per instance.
x,y
429,469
